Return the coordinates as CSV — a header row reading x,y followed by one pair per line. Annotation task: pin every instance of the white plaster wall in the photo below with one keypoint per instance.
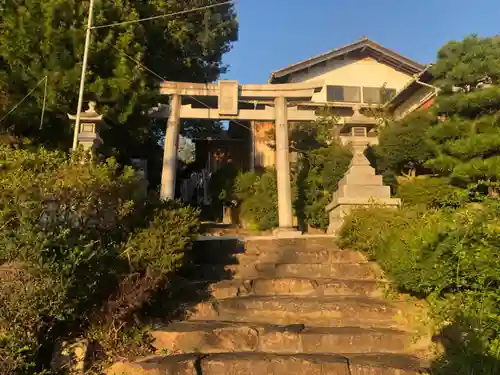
x,y
366,72
413,102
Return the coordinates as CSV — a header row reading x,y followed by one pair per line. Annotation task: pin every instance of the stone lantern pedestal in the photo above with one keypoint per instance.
x,y
88,135
360,187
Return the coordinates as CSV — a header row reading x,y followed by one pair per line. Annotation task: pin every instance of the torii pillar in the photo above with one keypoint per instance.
x,y
285,216
276,102
169,169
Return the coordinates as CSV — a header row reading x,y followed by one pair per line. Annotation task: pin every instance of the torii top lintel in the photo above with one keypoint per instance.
x,y
230,94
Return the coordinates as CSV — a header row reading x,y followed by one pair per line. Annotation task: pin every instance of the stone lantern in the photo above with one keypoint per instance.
x,y
88,135
360,187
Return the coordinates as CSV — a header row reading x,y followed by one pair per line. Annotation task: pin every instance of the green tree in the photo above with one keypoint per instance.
x,y
466,141
464,64
404,145
42,38
459,137
322,163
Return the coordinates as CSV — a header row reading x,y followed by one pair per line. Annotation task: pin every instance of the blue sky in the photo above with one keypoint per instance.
x,y
276,33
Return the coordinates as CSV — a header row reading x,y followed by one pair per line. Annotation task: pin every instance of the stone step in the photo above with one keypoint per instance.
x,y
264,363
348,271
331,311
227,251
296,287
221,337
301,256
311,244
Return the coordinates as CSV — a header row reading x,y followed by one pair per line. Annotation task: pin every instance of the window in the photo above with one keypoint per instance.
x,y
358,131
377,95
343,94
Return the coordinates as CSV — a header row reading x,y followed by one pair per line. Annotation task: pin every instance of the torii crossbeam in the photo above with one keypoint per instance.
x,y
228,100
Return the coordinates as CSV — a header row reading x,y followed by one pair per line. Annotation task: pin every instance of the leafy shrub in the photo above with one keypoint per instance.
x,y
222,184
450,256
320,170
371,230
404,144
432,193
72,247
313,186
259,199
160,246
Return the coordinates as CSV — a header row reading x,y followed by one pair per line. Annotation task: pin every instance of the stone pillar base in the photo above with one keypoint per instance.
x,y
360,187
289,232
343,207
89,141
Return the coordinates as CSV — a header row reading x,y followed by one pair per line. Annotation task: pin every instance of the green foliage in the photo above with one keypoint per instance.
x,y
160,247
319,172
67,255
471,104
439,245
259,199
458,137
430,192
42,38
450,256
465,63
466,150
322,162
404,145
222,184
465,142
308,136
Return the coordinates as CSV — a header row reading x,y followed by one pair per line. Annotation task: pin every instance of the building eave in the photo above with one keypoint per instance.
x,y
410,88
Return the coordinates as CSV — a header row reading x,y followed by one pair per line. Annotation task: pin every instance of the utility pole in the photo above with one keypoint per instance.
x,y
84,72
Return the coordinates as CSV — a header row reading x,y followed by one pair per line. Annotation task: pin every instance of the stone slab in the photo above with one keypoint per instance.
x,y
364,191
185,337
287,233
348,271
354,179
367,201
251,364
157,365
296,287
312,243
385,364
324,311
226,337
300,256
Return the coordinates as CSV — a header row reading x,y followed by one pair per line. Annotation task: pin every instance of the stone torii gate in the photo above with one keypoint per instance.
x,y
227,100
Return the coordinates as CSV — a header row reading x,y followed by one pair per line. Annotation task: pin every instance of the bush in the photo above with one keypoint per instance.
x,y
319,172
432,192
317,180
67,252
450,256
222,184
404,144
258,199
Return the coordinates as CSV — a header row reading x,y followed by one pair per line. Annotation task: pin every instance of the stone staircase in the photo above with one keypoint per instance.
x,y
297,306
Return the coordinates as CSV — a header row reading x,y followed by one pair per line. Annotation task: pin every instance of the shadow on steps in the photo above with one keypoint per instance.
x,y
188,287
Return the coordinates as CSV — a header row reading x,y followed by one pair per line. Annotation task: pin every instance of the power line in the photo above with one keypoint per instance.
x,y
164,15
26,97
164,79
189,96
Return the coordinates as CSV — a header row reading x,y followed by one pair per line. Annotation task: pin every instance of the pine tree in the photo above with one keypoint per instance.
x,y
466,142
